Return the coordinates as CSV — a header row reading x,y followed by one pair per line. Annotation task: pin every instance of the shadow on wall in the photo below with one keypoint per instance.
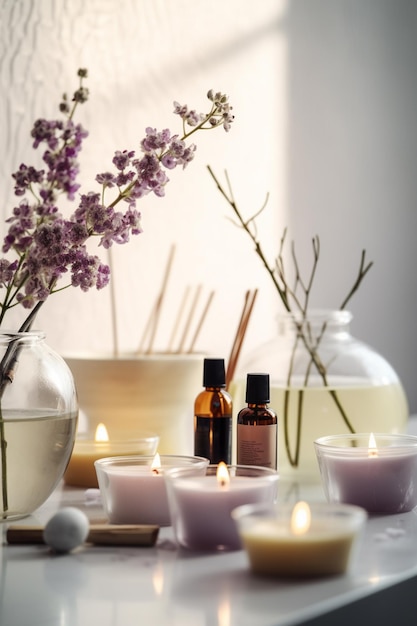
x,y
352,149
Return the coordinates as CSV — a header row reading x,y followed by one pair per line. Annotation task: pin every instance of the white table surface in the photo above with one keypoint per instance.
x,y
163,586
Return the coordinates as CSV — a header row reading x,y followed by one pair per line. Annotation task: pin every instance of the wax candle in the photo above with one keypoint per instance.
x,y
133,489
377,472
201,506
302,540
81,471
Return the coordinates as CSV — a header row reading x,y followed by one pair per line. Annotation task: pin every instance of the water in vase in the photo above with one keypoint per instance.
x,y
38,450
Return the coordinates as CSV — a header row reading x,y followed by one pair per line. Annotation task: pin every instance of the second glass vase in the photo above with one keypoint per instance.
x,y
323,382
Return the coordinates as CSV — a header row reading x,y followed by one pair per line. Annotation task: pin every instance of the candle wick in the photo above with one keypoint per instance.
x,y
155,470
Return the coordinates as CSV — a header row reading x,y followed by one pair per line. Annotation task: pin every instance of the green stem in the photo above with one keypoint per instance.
x,y
323,372
299,423
287,398
3,449
342,412
314,359
286,410
293,460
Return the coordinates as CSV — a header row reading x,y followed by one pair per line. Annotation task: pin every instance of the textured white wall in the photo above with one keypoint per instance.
x,y
142,55
325,97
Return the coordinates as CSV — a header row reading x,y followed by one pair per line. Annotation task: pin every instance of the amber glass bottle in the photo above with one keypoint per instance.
x,y
257,425
213,415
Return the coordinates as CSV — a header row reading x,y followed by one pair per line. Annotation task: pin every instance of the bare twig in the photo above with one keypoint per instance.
x,y
258,249
363,269
291,300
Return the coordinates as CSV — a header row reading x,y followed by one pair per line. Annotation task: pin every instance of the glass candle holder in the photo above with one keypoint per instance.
x,y
133,488
201,506
375,471
81,471
302,540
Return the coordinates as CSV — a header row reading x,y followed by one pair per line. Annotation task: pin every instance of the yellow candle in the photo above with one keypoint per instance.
x,y
272,551
320,545
81,471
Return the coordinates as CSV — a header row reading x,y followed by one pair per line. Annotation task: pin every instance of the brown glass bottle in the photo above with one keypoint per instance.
x,y
213,415
257,425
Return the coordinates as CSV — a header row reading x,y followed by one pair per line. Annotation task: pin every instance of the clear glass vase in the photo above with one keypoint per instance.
x,y
38,420
323,382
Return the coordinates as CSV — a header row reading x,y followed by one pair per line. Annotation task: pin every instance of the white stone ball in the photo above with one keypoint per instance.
x,y
66,530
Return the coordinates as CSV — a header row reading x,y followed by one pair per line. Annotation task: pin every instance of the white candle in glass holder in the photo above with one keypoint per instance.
x,y
133,488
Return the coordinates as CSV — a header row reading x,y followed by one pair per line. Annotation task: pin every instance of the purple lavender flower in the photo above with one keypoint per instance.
x,y
220,114
49,247
107,179
87,271
7,271
155,140
124,178
122,159
44,131
24,177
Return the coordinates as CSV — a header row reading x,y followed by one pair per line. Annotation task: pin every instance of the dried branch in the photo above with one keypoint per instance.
x,y
363,270
244,224
291,299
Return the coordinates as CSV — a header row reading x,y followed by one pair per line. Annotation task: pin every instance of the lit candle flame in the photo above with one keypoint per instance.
x,y
156,464
223,477
372,448
101,433
300,518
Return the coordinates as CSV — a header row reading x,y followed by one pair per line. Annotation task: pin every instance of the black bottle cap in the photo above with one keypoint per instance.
x,y
214,373
257,389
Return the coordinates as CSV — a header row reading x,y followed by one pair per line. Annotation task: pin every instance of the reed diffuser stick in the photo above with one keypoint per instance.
x,y
152,323
146,331
189,319
248,305
179,317
161,299
201,321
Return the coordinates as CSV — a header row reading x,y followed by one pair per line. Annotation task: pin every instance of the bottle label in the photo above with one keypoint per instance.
x,y
257,445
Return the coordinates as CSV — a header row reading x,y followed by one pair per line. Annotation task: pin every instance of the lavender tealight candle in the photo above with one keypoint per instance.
x,y
133,488
201,506
377,472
